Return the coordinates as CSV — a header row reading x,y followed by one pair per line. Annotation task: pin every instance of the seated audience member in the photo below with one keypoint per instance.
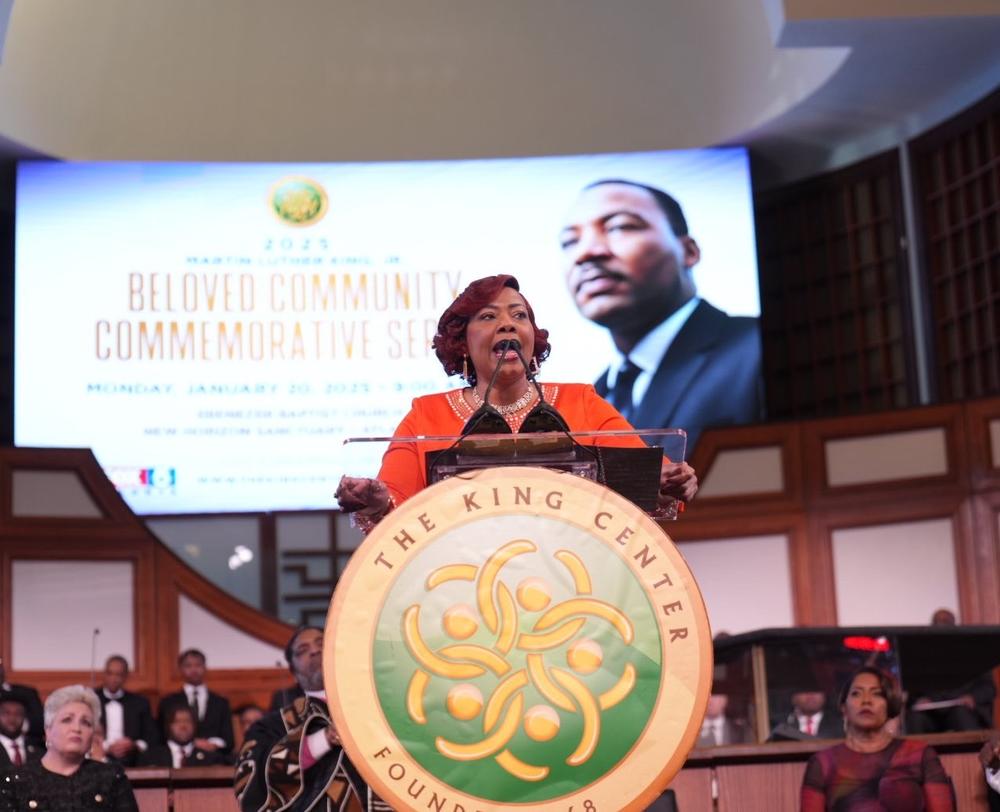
x,y
295,753
34,723
64,778
717,728
248,714
872,769
17,750
811,718
215,720
989,756
180,749
125,717
968,707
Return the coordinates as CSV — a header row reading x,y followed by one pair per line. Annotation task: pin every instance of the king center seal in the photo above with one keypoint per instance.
x,y
518,639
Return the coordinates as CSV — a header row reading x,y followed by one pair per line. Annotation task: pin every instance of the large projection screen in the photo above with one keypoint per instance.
x,y
214,353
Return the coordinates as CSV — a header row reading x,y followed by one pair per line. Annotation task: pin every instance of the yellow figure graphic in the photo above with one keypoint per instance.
x,y
497,609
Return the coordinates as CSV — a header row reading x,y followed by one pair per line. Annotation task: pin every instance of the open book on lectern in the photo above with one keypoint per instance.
x,y
626,461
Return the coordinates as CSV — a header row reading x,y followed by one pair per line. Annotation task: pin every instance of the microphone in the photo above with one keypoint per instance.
x,y
544,417
93,655
486,419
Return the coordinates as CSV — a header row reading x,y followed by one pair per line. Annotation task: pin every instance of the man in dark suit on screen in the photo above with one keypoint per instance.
x,y
129,729
212,712
682,362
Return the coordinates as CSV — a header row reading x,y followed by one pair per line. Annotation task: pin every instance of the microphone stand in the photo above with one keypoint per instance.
x,y
546,418
486,419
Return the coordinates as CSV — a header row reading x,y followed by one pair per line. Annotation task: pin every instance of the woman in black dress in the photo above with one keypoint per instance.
x,y
65,780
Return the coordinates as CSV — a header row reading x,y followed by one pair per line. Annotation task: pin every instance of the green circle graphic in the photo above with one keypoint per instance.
x,y
612,582
298,202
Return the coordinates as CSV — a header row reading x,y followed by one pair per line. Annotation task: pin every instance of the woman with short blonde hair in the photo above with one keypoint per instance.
x,y
66,778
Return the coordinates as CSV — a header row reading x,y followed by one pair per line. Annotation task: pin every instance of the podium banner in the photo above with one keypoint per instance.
x,y
518,638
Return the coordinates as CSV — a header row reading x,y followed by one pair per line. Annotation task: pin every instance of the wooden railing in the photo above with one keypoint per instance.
x,y
737,778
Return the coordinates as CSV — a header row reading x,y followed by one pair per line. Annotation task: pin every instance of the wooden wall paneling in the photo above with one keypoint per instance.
x,y
967,778
175,577
692,787
956,184
901,509
268,565
91,476
713,442
210,799
152,799
820,494
984,554
813,586
239,685
139,553
983,473
974,590
773,787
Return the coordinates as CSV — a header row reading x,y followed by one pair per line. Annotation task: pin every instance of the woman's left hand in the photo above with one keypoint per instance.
x,y
677,481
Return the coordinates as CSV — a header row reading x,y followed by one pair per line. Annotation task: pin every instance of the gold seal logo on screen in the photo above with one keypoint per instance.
x,y
298,201
519,638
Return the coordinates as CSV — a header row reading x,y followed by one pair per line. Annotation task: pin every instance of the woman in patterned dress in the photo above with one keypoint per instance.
x,y
873,770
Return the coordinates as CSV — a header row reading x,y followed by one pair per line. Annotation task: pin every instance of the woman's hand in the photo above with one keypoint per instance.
x,y
369,497
677,481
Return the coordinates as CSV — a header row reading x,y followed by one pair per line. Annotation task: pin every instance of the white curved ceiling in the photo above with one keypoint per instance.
x,y
257,80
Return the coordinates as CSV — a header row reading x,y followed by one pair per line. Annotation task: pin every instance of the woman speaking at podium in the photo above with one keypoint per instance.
x,y
487,335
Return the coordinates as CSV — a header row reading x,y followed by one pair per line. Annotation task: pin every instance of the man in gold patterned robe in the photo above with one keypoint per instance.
x,y
292,759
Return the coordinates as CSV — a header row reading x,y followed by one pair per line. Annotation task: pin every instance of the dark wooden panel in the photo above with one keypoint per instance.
x,y
835,299
152,800
956,170
213,799
693,789
967,777
760,787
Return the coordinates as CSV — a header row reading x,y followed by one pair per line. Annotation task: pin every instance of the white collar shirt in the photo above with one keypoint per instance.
x,y
809,723
202,693
8,745
114,717
713,729
179,752
649,352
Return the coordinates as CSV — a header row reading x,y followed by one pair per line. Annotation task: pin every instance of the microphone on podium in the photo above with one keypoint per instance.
x,y
544,417
486,419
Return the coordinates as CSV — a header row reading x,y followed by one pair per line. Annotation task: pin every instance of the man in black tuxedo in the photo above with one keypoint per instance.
x,y
295,754
35,718
682,362
215,719
180,750
15,747
128,722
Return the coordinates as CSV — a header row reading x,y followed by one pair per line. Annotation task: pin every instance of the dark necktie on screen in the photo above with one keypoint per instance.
x,y
621,395
18,761
194,706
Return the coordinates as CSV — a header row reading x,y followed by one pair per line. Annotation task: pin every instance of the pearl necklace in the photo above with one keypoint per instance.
x,y
508,408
